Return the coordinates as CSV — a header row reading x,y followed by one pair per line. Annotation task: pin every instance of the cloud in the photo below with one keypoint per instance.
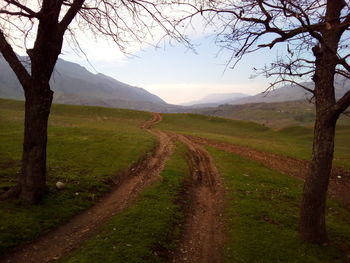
x,y
98,51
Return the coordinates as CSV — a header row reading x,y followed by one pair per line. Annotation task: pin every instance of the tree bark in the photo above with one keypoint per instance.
x,y
32,181
313,207
31,184
312,223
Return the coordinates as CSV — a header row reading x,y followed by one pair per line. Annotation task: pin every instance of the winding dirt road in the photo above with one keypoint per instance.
x,y
203,233
67,237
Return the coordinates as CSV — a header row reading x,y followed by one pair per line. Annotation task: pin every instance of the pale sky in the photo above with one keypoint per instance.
x,y
173,72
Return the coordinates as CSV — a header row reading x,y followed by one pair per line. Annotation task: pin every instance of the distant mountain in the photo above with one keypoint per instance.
x,y
73,84
291,93
212,100
278,108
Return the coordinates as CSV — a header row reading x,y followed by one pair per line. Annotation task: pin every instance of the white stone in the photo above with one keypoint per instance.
x,y
60,185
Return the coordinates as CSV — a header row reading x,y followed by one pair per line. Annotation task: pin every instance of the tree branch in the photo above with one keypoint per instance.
x,y
344,63
284,80
16,13
11,58
69,16
23,7
290,34
343,103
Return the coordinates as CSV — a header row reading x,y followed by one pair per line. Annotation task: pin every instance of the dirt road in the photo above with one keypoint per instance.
x,y
203,235
82,227
340,180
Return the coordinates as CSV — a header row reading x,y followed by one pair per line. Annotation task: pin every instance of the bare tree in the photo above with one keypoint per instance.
x,y
315,34
39,27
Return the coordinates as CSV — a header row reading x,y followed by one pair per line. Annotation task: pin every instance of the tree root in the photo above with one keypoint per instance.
x,y
12,193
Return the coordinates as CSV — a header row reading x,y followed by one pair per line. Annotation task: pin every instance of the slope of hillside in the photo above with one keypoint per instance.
x,y
71,78
73,84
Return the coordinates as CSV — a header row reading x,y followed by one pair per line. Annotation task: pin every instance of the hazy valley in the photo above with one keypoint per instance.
x,y
73,84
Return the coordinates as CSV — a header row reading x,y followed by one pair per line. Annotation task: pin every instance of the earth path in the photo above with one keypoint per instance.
x,y
69,236
339,185
203,233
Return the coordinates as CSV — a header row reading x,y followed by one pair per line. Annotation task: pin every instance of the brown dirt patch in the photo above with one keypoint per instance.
x,y
203,236
339,185
155,119
67,237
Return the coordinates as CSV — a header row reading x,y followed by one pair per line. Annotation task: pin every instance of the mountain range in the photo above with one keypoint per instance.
x,y
215,99
282,94
73,84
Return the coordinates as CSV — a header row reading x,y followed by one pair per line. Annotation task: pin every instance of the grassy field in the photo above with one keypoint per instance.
x,y
275,115
87,147
146,232
295,141
262,212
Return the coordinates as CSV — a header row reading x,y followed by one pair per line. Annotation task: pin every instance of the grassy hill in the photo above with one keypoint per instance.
x,y
275,115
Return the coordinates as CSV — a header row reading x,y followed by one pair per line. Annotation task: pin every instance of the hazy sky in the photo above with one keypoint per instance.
x,y
173,72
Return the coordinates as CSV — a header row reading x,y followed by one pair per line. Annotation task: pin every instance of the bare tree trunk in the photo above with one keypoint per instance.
x,y
312,222
313,207
32,181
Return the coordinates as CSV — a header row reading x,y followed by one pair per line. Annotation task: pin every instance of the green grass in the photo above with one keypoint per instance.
x,y
293,141
87,147
90,145
149,229
262,214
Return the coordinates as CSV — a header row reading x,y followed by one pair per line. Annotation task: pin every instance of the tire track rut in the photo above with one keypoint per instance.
x,y
203,234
